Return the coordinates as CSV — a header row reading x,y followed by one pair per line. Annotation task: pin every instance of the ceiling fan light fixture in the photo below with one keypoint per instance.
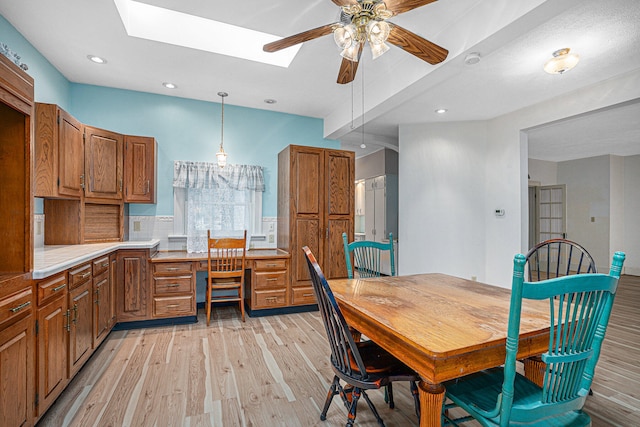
x,y
351,52
344,36
378,49
377,31
561,62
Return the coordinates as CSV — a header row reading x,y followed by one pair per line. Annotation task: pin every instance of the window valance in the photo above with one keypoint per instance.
x,y
206,175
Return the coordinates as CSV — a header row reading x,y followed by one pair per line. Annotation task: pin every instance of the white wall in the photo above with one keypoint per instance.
x,y
631,231
543,171
441,182
588,192
430,239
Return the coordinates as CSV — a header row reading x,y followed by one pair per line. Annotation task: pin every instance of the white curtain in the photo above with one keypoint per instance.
x,y
218,199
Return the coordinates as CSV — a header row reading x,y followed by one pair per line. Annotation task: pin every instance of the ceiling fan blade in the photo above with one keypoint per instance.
x,y
401,6
345,2
416,45
348,69
295,39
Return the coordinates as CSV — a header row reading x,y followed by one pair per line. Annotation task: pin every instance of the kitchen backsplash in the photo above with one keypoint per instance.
x,y
161,227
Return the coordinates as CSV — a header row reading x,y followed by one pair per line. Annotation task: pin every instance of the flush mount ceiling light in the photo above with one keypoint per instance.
x,y
96,59
169,85
270,101
221,156
561,62
472,58
441,110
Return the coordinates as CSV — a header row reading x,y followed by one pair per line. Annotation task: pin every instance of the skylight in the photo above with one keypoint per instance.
x,y
167,26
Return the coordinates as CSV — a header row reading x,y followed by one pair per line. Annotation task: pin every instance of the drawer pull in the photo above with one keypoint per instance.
x,y
173,305
105,265
271,299
57,288
172,269
272,280
85,275
20,307
272,265
307,295
172,285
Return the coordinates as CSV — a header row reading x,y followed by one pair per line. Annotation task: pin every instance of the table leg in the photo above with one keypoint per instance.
x,y
534,369
431,400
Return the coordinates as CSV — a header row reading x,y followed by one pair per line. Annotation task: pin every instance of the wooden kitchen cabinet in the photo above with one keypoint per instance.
x,y
102,321
103,164
59,153
132,285
52,331
113,274
269,284
81,313
316,196
174,293
140,169
17,350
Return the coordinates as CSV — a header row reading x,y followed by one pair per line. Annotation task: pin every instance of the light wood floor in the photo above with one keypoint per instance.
x,y
274,371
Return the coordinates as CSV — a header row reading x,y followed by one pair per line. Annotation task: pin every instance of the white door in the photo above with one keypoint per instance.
x,y
552,222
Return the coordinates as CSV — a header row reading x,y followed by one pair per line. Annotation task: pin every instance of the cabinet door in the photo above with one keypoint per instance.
x,y
71,155
101,308
53,325
139,169
103,154
17,351
132,292
113,275
81,312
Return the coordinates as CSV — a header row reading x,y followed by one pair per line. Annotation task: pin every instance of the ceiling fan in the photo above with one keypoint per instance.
x,y
366,21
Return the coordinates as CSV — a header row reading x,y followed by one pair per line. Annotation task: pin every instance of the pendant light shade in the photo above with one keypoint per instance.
x,y
561,62
221,156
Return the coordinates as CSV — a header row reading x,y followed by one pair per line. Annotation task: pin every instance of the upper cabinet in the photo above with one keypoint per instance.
x,y
59,153
139,169
103,164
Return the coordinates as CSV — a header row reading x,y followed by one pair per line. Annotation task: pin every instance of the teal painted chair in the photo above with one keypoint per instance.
x,y
362,365
581,305
368,257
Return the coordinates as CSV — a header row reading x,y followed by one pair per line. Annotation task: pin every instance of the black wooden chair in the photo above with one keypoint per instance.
x,y
364,365
557,258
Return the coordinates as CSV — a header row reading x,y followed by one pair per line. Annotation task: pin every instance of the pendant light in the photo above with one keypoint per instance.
x,y
221,155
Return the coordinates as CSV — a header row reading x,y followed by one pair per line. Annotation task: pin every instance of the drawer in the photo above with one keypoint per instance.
x,y
174,306
303,295
270,264
16,305
266,279
100,265
172,268
52,287
172,285
79,275
269,299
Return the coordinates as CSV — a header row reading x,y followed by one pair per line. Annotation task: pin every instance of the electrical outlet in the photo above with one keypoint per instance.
x,y
270,238
136,225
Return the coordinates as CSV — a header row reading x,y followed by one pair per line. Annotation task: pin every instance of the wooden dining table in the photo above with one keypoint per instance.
x,y
441,326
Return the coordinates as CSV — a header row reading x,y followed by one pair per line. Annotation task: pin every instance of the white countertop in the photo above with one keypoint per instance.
x,y
50,260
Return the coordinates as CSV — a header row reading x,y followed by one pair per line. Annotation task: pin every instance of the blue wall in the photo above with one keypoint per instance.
x,y
185,129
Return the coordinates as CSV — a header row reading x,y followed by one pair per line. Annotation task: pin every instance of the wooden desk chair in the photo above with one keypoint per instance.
x,y
368,257
225,269
556,258
364,365
581,306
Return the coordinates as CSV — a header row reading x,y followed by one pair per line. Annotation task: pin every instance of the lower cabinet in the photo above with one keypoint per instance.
x,y
173,289
81,313
17,351
132,285
101,300
52,336
269,283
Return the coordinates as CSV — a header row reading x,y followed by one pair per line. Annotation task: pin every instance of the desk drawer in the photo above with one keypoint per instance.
x,y
52,287
172,285
266,279
172,268
269,298
16,305
303,295
79,275
174,306
270,264
100,265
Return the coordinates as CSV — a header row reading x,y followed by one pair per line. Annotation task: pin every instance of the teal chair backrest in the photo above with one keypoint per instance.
x,y
579,307
368,256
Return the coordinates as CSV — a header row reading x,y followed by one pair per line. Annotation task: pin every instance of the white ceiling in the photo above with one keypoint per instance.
x,y
513,38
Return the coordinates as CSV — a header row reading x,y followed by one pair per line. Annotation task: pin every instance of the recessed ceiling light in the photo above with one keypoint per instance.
x,y
441,110
169,85
363,145
472,58
96,59
270,101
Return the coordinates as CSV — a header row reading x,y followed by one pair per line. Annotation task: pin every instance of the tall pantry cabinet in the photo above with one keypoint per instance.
x,y
316,197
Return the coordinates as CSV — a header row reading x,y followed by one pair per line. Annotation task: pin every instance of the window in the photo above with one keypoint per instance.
x,y
225,201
